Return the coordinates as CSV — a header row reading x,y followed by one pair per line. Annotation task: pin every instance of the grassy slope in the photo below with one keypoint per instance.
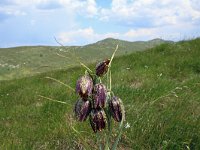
x,y
25,61
160,88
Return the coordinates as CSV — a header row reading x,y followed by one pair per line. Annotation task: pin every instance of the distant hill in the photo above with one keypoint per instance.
x,y
29,60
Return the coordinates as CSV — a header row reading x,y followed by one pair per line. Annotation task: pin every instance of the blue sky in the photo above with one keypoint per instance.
x,y
80,22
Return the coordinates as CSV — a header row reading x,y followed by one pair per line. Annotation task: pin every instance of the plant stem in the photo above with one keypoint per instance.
x,y
110,81
107,80
114,147
109,128
83,65
119,136
112,56
108,135
98,141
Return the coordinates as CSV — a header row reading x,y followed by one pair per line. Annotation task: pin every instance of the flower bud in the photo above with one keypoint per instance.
x,y
102,68
99,95
82,109
116,108
97,119
84,86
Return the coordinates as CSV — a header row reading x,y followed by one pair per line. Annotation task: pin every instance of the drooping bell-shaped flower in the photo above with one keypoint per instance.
x,y
97,119
116,108
82,109
99,95
102,68
84,86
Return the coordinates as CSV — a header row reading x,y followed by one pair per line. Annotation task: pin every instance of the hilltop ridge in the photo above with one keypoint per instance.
x,y
17,62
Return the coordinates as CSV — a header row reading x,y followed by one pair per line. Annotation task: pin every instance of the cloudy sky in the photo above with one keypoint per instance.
x,y
79,22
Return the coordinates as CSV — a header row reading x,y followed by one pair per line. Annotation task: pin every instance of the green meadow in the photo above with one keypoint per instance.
x,y
160,89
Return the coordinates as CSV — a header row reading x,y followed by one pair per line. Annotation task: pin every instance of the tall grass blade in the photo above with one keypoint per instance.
x,y
53,100
61,83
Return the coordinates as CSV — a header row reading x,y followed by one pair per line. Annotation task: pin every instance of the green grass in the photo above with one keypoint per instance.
x,y
160,89
26,61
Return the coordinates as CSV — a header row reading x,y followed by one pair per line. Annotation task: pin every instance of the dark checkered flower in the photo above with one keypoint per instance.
x,y
82,109
115,106
99,95
102,68
97,119
84,86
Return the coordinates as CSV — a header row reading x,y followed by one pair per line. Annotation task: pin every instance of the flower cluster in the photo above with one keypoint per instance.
x,y
95,99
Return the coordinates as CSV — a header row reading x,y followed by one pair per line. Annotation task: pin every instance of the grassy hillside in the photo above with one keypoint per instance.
x,y
160,88
29,60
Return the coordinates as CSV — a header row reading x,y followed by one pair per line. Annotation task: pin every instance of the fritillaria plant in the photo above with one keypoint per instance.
x,y
98,102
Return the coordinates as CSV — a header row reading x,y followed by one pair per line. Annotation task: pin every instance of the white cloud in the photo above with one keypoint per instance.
x,y
10,11
140,13
25,2
170,32
131,34
150,13
91,8
86,8
87,35
71,36
166,33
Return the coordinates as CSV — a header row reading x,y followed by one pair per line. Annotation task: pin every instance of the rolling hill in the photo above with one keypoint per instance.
x,y
160,88
24,61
